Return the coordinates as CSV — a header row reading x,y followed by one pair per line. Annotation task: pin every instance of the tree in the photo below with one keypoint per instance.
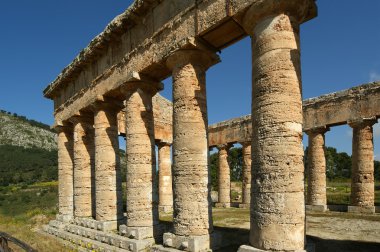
x,y
235,160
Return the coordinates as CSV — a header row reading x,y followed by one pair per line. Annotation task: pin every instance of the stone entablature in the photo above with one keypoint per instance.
x,y
237,130
341,107
324,111
139,41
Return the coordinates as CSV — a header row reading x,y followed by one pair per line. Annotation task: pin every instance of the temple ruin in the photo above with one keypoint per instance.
x,y
110,90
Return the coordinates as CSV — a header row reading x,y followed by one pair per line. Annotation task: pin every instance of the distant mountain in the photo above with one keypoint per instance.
x,y
28,150
17,130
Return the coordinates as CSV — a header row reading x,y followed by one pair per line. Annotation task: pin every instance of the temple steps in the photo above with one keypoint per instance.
x,y
91,239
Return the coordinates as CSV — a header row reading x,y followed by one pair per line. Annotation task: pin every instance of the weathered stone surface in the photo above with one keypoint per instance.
x,y
91,239
142,191
246,190
140,40
236,130
316,168
65,171
165,178
108,195
338,108
163,116
199,243
84,167
224,177
95,224
278,209
362,175
191,178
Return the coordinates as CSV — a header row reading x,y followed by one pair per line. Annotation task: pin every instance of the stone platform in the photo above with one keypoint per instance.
x,y
85,235
91,239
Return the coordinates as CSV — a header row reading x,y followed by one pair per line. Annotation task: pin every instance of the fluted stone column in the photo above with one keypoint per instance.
x,y
142,191
165,178
277,195
362,174
191,178
65,172
83,167
316,170
224,177
107,165
246,185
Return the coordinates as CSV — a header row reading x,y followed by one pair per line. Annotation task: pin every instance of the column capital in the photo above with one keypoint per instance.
x,y
194,56
85,119
63,128
106,103
148,86
225,146
317,130
161,143
362,122
245,144
301,10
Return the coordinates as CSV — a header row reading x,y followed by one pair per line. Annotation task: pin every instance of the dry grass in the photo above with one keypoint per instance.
x,y
28,231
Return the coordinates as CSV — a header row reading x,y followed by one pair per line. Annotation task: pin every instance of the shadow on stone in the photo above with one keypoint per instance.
x,y
326,245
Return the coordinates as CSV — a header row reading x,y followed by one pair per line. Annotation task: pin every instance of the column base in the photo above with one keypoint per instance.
x,y
246,248
165,209
187,243
142,233
361,209
97,225
222,205
244,205
64,218
316,208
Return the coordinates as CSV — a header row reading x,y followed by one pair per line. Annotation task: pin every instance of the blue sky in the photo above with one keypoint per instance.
x,y
340,49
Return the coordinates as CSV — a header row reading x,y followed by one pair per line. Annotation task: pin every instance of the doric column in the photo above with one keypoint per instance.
x,y
246,185
84,167
316,170
65,172
165,178
224,177
191,178
362,174
277,199
107,165
142,191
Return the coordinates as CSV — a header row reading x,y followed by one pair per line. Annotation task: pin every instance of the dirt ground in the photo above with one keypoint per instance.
x,y
329,232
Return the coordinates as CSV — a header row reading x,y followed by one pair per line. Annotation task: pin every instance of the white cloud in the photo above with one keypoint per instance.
x,y
374,76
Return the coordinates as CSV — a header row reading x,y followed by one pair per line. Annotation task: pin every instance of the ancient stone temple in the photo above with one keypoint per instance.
x,y
358,107
110,90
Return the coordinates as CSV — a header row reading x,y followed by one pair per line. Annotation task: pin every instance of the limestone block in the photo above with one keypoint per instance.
x,y
246,183
362,175
187,243
224,177
191,183
107,164
277,200
165,178
142,191
316,189
84,167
